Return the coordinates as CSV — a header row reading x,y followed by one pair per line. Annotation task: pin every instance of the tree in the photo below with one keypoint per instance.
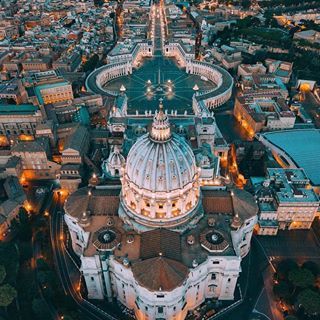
x,y
42,264
282,290
291,318
310,301
9,258
23,216
2,273
91,63
312,266
25,232
68,317
7,295
39,308
246,4
302,278
284,267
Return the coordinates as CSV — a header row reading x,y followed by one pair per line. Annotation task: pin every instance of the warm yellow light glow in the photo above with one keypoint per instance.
x,y
305,87
26,137
28,207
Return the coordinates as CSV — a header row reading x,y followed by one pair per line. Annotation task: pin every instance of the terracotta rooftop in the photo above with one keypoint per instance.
x,y
217,201
161,241
160,273
99,202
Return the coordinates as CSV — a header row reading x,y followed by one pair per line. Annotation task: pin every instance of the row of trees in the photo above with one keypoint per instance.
x,y
304,54
7,292
296,285
286,3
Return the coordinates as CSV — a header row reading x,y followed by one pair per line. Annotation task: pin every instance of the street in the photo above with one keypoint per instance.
x,y
61,259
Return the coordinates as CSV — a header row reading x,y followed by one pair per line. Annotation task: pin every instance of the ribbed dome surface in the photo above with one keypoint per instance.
x,y
115,159
161,166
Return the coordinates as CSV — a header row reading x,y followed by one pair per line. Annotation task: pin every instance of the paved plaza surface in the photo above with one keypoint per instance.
x,y
159,70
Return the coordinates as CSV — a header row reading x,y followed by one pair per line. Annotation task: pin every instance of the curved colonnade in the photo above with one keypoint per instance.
x,y
218,95
201,102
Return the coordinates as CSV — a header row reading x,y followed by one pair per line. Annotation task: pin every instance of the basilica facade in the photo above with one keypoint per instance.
x,y
162,241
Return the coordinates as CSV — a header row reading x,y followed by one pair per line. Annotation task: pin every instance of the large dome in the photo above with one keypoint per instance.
x,y
160,181
161,167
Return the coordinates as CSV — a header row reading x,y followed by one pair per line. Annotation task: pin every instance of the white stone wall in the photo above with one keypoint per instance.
x,y
215,278
79,237
241,238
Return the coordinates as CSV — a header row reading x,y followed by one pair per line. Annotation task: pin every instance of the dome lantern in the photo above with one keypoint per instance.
x,y
160,130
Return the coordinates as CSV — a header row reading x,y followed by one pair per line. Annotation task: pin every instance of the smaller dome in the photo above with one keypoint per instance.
x,y
203,161
106,239
112,166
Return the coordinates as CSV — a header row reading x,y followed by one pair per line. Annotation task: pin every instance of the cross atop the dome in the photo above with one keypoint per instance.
x,y
160,112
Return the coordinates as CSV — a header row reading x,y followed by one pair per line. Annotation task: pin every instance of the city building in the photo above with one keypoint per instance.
x,y
76,147
280,69
311,36
262,86
13,199
285,201
296,149
69,62
54,92
13,90
70,177
263,114
250,69
35,161
18,121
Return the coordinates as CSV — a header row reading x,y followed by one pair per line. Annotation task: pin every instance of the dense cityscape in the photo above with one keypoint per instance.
x,y
159,159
